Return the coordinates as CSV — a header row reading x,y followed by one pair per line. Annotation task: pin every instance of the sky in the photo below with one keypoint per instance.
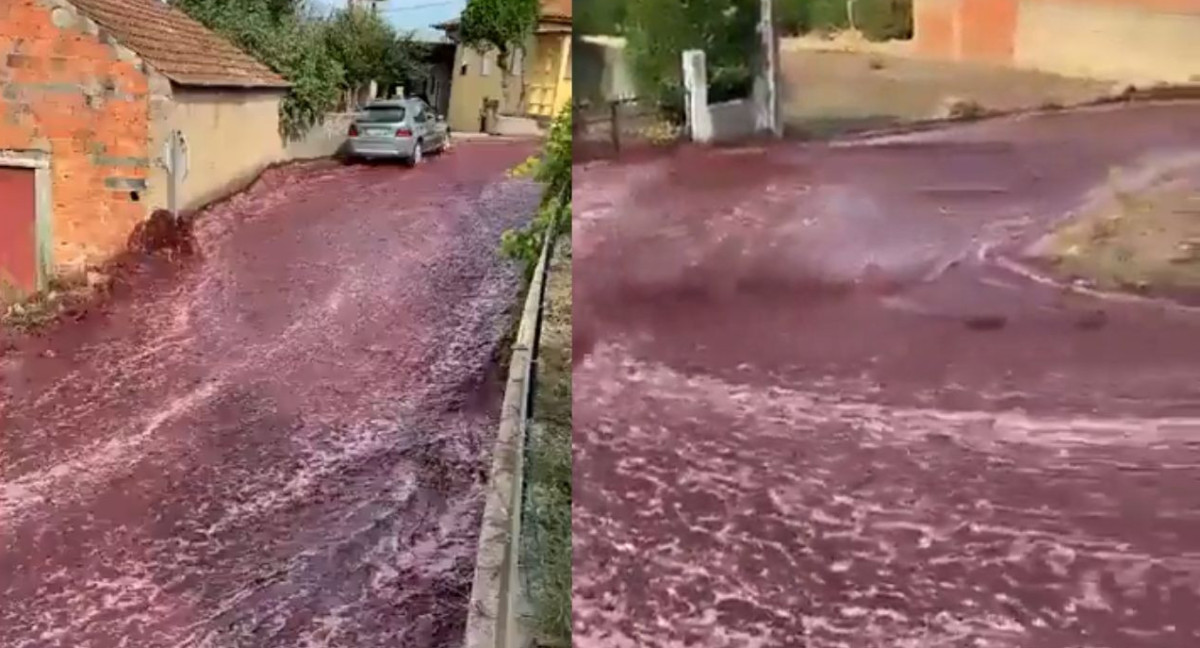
x,y
411,15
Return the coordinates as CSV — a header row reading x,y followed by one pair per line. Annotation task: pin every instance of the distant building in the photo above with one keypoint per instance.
x,y
92,90
440,57
1147,40
541,79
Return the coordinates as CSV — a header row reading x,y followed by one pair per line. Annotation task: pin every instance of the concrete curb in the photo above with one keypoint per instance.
x,y
492,618
1163,94
485,137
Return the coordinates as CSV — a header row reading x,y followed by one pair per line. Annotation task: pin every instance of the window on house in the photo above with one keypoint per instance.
x,y
462,70
485,68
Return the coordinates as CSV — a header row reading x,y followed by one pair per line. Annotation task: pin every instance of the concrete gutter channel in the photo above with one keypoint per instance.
x,y
1131,95
496,598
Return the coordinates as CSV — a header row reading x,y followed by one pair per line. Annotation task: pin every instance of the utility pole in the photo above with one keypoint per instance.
x,y
767,84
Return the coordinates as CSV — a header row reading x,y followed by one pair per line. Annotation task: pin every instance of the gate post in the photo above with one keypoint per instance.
x,y
695,83
766,85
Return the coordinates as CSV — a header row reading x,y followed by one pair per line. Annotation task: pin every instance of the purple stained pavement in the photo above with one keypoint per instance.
x,y
822,401
281,444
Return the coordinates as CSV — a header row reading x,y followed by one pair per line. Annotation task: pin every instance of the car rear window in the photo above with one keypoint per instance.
x,y
383,114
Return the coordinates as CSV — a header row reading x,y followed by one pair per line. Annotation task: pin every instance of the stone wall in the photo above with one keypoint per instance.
x,y
325,140
68,90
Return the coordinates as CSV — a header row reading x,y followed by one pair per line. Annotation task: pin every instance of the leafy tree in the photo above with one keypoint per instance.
x,y
288,41
321,57
282,8
501,25
606,17
370,49
658,32
877,19
792,16
553,170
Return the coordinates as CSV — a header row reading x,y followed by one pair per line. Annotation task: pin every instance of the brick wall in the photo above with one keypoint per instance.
x,y
65,89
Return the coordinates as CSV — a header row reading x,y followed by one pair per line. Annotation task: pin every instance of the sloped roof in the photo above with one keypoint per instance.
x,y
182,49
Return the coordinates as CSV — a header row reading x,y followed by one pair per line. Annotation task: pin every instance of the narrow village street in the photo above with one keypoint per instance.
x,y
822,398
283,443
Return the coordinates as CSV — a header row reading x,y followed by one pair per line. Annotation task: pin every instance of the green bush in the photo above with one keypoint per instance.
x,y
605,17
658,32
280,36
884,19
553,170
370,49
876,19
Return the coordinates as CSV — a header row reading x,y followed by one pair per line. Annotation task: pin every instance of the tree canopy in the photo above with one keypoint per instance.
x,y
370,49
502,25
320,56
658,32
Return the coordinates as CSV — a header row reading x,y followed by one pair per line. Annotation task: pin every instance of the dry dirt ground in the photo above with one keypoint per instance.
x,y
827,92
821,400
280,444
1139,234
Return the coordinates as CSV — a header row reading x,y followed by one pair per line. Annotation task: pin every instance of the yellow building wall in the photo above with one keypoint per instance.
x,y
549,75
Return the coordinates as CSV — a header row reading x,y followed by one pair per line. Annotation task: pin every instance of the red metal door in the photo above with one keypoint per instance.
x,y
18,236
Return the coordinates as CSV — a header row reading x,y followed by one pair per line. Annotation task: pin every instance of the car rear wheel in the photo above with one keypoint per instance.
x,y
417,155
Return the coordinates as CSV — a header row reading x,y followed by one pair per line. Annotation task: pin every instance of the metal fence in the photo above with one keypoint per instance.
x,y
611,128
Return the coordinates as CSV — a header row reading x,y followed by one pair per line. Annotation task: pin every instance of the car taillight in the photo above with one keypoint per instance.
x,y
353,130
403,132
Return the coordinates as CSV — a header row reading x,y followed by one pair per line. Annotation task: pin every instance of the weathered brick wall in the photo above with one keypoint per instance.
x,y
67,89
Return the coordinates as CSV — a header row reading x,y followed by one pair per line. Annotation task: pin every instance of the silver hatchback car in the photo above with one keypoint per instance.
x,y
404,129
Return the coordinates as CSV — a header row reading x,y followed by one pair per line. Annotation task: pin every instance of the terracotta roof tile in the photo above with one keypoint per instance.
x,y
185,51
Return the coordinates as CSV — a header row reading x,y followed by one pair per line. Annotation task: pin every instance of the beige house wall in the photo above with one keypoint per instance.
x,y
232,135
476,77
1120,41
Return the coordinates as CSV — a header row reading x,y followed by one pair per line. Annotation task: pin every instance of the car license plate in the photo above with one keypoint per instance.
x,y
377,132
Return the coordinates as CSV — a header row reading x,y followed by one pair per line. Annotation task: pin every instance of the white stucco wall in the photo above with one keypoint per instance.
x,y
232,135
